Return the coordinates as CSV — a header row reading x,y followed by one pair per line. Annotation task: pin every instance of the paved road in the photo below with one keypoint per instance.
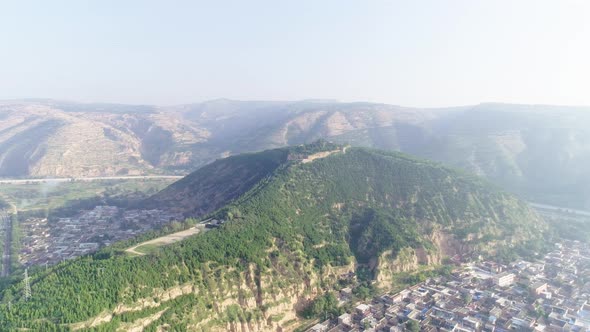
x,y
559,208
167,239
88,179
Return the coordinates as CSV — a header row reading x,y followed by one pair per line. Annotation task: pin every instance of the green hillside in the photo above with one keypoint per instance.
x,y
213,185
294,227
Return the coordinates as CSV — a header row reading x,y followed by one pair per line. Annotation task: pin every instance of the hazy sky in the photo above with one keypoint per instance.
x,y
413,53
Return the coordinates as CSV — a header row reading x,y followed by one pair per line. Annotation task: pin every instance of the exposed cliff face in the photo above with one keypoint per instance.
x,y
444,245
242,302
447,245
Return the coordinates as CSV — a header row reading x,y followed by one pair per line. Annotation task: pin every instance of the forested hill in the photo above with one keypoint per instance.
x,y
323,211
212,186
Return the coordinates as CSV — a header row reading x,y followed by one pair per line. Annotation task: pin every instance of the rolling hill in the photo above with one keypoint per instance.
x,y
297,219
540,152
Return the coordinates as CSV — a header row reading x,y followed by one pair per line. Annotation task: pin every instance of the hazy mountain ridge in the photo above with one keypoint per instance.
x,y
142,139
314,212
530,149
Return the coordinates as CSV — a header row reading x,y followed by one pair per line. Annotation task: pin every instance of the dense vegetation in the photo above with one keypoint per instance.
x,y
212,186
296,221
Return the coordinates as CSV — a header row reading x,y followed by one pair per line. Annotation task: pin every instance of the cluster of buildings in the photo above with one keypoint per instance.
x,y
49,242
549,294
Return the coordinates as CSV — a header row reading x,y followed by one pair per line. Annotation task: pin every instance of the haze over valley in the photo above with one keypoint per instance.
x,y
295,166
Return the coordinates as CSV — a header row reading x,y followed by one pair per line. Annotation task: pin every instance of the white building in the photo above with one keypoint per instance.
x,y
504,279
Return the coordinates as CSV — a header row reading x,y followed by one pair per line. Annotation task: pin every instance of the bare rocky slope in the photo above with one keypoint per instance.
x,y
52,138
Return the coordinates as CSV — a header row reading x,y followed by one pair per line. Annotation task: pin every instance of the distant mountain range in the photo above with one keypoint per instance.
x,y
541,152
296,220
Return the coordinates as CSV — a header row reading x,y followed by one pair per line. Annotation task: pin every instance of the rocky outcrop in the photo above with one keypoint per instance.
x,y
409,259
388,264
248,301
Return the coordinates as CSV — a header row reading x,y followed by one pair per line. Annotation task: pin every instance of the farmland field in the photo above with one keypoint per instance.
x,y
50,195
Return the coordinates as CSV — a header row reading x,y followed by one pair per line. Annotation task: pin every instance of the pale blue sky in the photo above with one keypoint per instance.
x,y
413,53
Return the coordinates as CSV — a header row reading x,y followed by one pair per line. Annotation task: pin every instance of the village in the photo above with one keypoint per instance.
x,y
47,242
549,294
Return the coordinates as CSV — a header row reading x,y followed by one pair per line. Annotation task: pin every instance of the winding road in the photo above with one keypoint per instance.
x,y
167,239
559,209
